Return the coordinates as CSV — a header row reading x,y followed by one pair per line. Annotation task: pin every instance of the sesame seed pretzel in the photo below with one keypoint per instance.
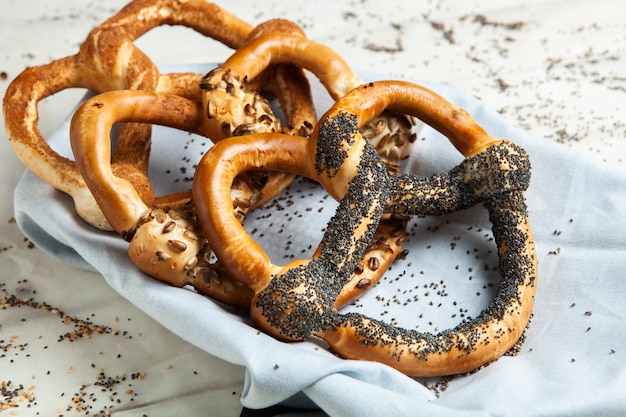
x,y
296,301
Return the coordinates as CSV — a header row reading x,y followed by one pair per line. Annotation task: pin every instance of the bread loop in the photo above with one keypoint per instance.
x,y
108,60
165,243
296,301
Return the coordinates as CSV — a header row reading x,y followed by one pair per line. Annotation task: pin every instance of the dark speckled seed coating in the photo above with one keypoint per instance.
x,y
299,302
336,134
498,169
507,213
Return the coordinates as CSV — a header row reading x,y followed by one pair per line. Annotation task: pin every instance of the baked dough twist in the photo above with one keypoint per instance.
x,y
296,301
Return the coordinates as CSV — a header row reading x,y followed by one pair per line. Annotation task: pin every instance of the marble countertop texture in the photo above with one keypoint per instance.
x,y
555,68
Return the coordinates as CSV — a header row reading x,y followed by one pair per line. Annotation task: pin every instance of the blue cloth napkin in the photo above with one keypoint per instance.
x,y
573,361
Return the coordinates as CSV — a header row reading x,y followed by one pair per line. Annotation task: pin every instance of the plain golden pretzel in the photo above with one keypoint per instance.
x,y
296,301
108,60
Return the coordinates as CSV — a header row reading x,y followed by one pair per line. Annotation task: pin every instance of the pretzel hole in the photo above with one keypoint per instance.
x,y
174,174
176,45
291,225
53,113
449,274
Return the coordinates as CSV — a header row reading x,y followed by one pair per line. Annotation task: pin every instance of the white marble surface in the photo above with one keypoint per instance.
x,y
552,67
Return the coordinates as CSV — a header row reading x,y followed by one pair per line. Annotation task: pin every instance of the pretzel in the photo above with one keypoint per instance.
x,y
296,301
108,60
390,133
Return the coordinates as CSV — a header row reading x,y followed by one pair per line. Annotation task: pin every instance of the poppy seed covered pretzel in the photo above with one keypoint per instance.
x,y
108,60
295,301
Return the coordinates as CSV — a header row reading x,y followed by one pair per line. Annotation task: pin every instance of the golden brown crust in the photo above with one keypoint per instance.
x,y
211,190
272,48
287,81
422,103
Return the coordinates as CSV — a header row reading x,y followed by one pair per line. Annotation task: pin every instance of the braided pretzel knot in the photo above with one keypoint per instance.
x,y
108,60
296,301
